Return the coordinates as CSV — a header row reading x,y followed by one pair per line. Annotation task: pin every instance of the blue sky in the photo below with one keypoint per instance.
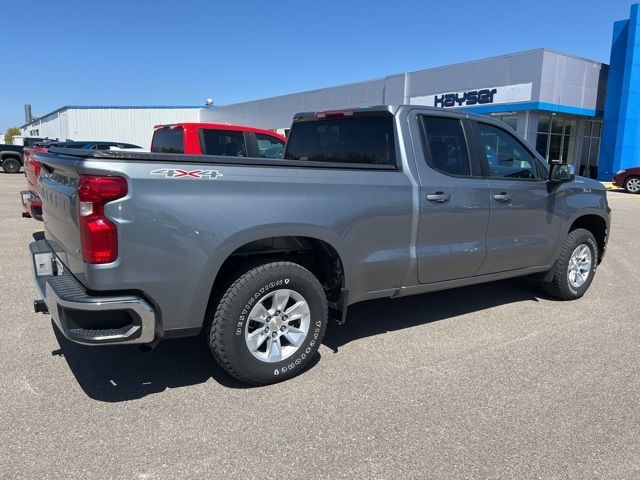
x,y
140,52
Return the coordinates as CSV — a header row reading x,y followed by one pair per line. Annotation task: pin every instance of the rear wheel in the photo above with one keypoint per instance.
x,y
575,268
11,165
269,323
632,184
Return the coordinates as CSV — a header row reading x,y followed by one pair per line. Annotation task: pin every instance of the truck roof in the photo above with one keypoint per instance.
x,y
391,108
222,126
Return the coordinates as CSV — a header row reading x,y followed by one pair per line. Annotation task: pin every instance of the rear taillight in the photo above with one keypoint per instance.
x,y
98,235
31,159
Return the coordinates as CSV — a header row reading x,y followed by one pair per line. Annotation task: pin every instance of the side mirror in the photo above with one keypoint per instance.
x,y
562,172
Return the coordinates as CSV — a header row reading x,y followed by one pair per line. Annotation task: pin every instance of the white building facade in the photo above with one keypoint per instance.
x,y
117,124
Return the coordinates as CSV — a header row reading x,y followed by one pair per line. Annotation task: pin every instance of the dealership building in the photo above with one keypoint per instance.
x,y
553,99
571,109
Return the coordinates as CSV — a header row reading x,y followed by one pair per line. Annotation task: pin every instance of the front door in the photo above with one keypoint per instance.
x,y
454,202
525,218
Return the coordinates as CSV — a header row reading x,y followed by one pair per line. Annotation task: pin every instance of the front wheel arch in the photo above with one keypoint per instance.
x,y
598,228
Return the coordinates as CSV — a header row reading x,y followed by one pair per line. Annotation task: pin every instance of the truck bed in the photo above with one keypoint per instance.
x,y
121,155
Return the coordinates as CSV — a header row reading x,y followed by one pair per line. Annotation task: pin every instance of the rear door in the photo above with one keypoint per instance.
x,y
525,218
454,200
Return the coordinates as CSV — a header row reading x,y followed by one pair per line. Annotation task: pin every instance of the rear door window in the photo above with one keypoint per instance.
x,y
445,145
270,147
359,139
168,140
227,143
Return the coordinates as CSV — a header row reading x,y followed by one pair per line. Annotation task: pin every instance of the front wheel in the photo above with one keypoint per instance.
x,y
269,323
11,165
632,184
575,268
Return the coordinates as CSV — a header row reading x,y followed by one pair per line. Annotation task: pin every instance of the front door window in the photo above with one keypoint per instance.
x,y
506,157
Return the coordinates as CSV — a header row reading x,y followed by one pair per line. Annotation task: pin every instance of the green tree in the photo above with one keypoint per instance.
x,y
11,131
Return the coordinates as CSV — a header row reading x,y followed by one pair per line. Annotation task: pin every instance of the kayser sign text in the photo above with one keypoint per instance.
x,y
476,97
466,98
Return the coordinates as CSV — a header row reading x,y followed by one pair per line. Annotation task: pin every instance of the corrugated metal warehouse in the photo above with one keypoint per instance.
x,y
118,124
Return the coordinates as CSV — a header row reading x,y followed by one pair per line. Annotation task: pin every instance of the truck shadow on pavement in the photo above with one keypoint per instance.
x,y
121,373
376,317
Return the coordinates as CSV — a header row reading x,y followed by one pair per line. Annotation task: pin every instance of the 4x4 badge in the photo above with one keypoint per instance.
x,y
178,173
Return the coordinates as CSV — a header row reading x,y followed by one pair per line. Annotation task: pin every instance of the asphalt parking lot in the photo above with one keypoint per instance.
x,y
491,381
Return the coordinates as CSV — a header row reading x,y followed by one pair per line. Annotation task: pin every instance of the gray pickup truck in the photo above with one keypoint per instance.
x,y
367,203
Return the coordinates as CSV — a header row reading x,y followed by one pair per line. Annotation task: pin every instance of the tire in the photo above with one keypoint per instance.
x,y
564,285
247,315
632,184
11,165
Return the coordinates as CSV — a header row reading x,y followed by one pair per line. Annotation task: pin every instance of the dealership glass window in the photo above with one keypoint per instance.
x,y
511,120
589,153
556,139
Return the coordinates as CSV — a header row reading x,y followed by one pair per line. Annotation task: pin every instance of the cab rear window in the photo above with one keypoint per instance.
x,y
359,139
168,140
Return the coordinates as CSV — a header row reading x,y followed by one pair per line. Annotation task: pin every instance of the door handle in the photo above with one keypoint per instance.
x,y
439,197
503,197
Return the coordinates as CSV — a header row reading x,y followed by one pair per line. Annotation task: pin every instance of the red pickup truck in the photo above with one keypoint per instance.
x,y
217,139
31,203
30,200
187,138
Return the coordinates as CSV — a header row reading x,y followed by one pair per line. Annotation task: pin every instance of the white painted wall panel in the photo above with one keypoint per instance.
x,y
128,125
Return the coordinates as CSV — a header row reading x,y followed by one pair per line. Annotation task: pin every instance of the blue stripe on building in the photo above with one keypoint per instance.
x,y
621,130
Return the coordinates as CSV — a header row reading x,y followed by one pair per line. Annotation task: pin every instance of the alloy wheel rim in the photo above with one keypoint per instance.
x,y
579,266
277,325
633,184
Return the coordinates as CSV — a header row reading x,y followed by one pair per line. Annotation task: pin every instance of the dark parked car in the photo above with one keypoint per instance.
x,y
629,179
11,155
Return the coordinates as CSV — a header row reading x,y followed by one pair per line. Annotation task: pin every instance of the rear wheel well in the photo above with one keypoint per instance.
x,y
597,226
315,255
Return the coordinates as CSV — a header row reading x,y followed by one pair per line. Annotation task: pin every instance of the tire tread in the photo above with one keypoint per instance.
x,y
558,287
217,344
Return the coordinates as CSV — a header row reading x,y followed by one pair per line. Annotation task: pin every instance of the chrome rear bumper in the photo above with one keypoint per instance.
x,y
84,318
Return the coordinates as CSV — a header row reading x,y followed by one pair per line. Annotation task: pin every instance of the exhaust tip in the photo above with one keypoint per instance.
x,y
40,306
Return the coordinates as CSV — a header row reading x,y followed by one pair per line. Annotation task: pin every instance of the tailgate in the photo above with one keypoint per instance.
x,y
58,183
